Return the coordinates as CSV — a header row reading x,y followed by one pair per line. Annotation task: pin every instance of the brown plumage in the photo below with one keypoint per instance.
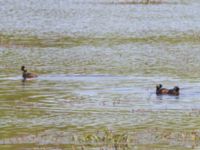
x,y
164,91
26,74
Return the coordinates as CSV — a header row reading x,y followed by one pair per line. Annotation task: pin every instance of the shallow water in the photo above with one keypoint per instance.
x,y
98,64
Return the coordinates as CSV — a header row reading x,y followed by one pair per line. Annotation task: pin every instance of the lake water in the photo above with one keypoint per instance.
x,y
98,63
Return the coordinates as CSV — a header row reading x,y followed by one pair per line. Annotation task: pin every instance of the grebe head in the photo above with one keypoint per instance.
x,y
23,68
159,86
176,88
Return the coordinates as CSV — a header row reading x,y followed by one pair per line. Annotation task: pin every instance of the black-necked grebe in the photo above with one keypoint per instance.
x,y
164,91
26,74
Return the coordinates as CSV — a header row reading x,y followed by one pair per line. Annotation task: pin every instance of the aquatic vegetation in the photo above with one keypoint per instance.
x,y
129,139
98,63
60,41
143,2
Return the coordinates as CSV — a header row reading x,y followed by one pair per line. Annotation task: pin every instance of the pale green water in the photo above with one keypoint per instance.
x,y
98,64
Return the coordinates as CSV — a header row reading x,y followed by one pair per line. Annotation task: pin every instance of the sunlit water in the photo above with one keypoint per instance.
x,y
98,64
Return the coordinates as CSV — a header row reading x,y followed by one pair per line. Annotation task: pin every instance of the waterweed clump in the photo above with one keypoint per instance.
x,y
105,138
136,137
